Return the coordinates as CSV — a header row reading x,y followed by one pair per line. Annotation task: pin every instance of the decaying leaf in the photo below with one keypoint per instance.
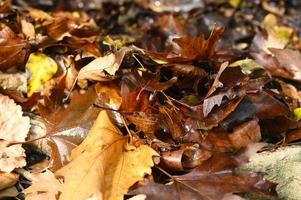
x,y
277,36
102,68
41,69
290,60
246,133
13,49
44,186
12,129
13,82
107,160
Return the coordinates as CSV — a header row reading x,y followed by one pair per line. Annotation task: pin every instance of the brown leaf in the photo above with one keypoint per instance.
x,y
198,47
207,186
68,24
290,60
246,133
263,105
214,100
67,127
13,50
8,180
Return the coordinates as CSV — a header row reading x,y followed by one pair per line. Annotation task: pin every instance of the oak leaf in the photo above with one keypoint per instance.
x,y
104,164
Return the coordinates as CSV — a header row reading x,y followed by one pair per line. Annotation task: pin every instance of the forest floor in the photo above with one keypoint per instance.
x,y
113,100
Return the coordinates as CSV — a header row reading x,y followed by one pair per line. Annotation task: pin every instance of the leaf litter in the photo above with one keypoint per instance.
x,y
136,99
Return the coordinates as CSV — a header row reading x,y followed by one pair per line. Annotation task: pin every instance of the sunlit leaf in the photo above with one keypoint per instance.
x,y
41,68
107,160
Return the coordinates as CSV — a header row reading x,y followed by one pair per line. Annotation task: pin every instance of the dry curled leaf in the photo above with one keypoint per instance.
x,y
105,164
102,68
12,129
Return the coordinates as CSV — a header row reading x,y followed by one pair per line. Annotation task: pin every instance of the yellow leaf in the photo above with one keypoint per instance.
x,y
42,68
278,36
235,3
104,164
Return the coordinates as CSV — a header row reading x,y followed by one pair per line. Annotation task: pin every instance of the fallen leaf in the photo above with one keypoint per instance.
x,y
216,83
12,129
246,133
277,36
41,68
198,47
66,127
44,186
28,29
13,82
8,180
9,192
107,160
214,100
247,65
290,60
102,68
13,49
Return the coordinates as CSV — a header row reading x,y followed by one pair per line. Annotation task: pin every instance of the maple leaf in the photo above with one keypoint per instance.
x,y
199,47
106,159
44,186
12,129
42,68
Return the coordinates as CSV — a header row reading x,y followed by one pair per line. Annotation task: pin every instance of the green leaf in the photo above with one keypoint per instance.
x,y
247,65
41,68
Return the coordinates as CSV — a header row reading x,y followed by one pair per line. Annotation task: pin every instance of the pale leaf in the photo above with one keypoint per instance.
x,y
102,68
12,129
44,186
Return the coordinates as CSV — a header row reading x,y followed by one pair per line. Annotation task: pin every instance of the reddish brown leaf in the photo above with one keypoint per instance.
x,y
13,50
246,133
